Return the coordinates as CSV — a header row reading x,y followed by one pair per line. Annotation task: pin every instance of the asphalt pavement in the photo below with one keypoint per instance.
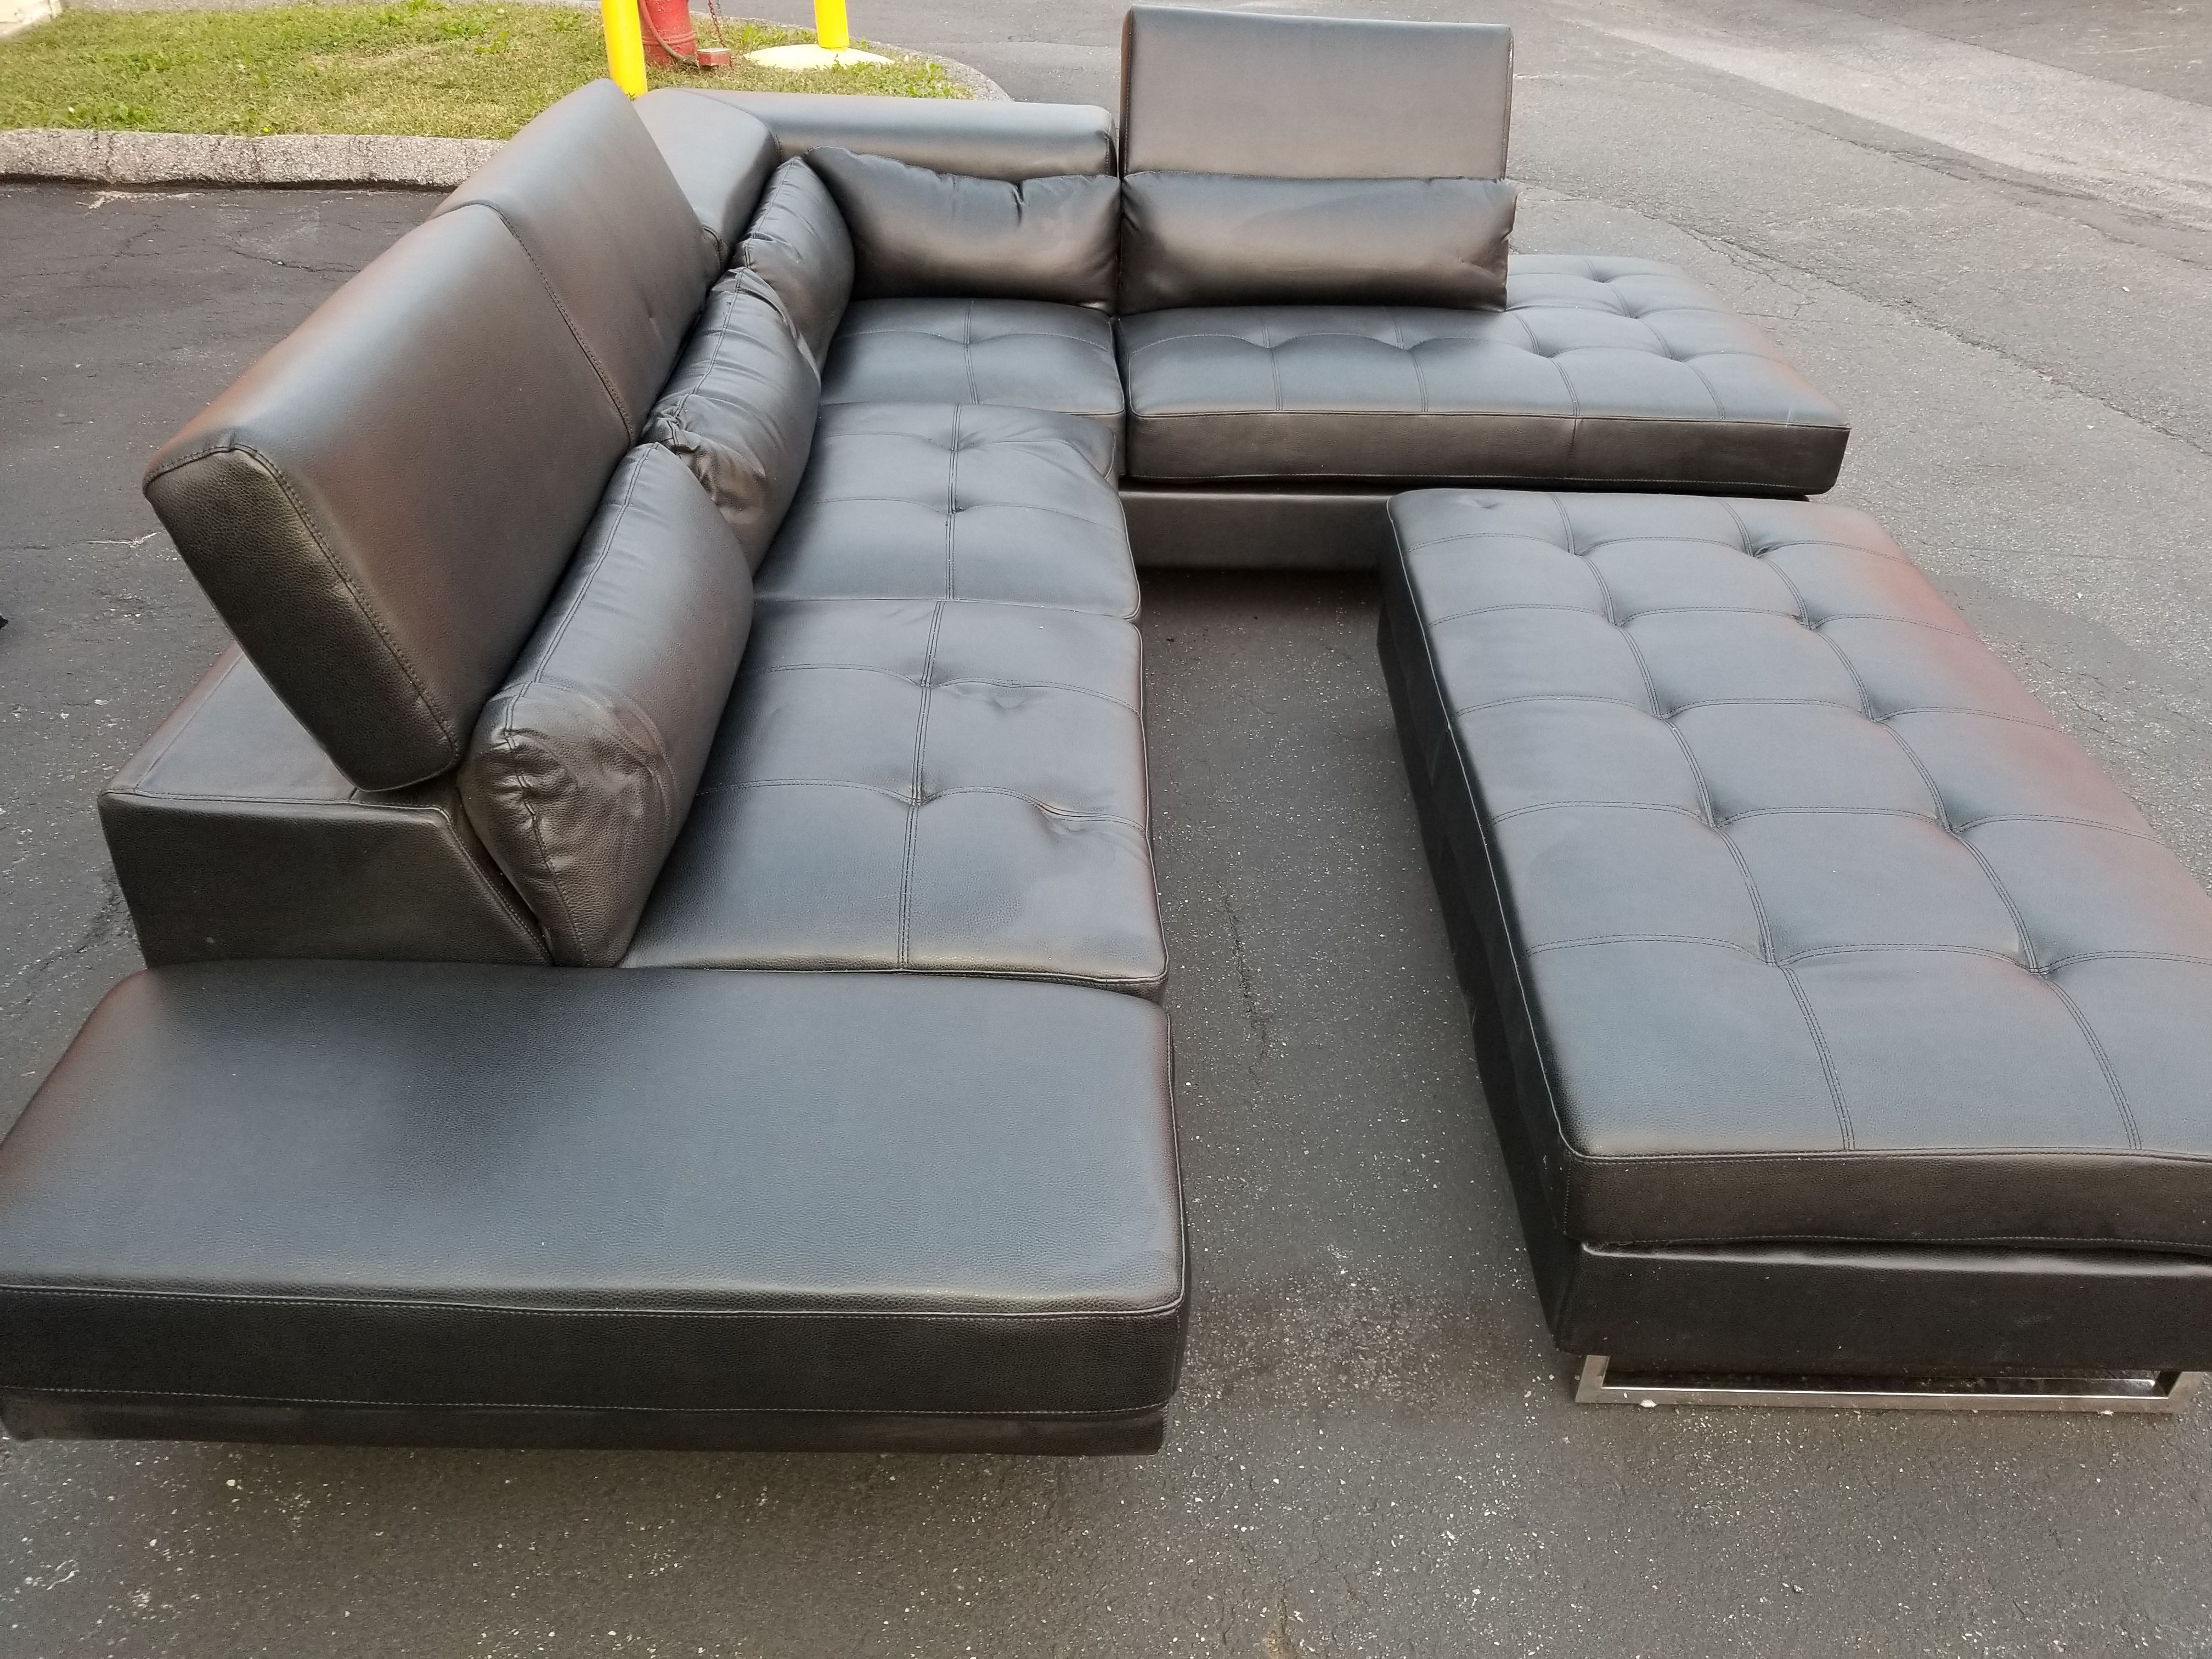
x,y
1987,231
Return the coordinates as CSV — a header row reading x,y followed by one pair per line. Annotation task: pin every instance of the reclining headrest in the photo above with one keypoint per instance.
x,y
584,189
380,506
1313,97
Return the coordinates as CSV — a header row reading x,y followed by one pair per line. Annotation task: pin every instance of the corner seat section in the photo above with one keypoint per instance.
x,y
1017,354
457,1204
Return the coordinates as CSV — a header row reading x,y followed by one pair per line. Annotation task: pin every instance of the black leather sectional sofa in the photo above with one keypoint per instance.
x,y
653,929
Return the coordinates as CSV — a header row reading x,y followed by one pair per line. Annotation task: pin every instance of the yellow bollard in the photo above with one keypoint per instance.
x,y
832,32
626,44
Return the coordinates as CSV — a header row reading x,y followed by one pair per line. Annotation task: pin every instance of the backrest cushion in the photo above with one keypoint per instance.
x,y
720,154
1313,97
1205,238
379,507
920,235
799,246
584,189
582,768
739,409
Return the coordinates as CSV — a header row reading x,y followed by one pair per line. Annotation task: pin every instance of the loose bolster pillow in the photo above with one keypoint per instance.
x,y
799,246
919,235
1216,239
739,411
583,765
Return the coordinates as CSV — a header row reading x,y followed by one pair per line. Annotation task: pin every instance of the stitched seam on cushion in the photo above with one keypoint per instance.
x,y
1821,1046
1927,775
2127,955
1081,1415
1420,380
1556,696
1884,947
1572,416
1645,939
2058,817
1486,610
345,577
884,790
1622,805
2104,1061
952,505
968,351
621,410
914,789
819,503
1151,1310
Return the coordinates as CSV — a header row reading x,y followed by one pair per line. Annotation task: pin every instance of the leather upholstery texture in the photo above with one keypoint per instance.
x,y
918,234
233,834
946,787
983,137
1017,354
719,155
1313,97
739,409
582,767
955,501
1213,239
1598,371
362,1185
799,245
379,507
1763,1308
584,189
1824,930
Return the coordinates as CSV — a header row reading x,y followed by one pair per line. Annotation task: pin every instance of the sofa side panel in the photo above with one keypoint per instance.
x,y
234,835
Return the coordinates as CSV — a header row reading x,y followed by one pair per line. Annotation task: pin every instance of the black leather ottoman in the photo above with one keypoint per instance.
x,y
1840,1017
430,1203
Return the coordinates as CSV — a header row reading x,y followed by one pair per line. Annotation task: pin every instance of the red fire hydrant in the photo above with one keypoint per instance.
x,y
669,38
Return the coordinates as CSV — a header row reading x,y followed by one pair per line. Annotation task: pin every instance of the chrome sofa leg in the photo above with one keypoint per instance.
x,y
2160,1392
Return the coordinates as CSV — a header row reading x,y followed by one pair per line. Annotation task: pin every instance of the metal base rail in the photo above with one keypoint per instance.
x,y
2162,1393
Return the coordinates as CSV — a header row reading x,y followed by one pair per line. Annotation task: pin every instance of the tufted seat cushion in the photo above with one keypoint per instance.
x,y
956,502
945,786
1822,927
1598,371
1019,353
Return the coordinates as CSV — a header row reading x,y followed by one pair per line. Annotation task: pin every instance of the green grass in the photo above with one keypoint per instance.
x,y
416,67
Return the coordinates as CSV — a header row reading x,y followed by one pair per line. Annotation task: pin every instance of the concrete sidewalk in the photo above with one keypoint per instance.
x,y
1374,1453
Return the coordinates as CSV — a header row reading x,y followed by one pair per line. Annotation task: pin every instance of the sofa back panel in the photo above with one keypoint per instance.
x,y
1204,239
987,139
799,245
583,189
739,409
1313,97
583,766
379,507
720,155
918,234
